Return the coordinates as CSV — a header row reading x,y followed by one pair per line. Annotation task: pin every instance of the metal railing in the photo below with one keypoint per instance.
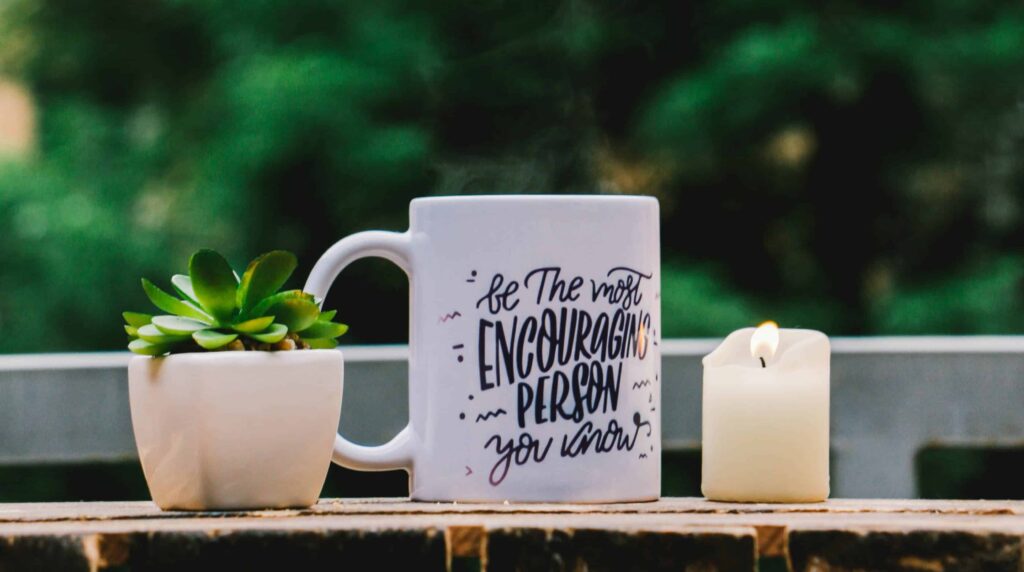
x,y
890,398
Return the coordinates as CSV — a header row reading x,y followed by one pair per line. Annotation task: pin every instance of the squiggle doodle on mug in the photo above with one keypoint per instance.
x,y
489,414
450,316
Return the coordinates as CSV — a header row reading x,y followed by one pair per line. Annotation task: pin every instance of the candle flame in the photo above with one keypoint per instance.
x,y
765,340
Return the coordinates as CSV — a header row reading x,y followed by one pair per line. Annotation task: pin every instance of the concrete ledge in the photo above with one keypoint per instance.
x,y
890,398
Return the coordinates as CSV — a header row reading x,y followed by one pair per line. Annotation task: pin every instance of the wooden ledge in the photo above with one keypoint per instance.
x,y
671,534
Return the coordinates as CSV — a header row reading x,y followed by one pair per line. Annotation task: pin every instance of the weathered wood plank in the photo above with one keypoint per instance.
x,y
41,512
394,533
597,550
910,550
252,549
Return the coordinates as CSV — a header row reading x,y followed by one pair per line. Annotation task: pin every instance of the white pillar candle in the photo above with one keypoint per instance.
x,y
765,417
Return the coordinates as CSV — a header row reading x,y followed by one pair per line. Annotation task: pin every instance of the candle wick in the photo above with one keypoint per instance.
x,y
762,361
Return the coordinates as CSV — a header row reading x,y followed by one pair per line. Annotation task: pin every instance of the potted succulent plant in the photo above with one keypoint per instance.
x,y
236,394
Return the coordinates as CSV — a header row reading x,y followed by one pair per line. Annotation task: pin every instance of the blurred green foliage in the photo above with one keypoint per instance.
x,y
849,166
969,472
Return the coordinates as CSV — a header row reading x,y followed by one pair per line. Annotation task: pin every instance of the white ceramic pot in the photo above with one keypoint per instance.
x,y
236,430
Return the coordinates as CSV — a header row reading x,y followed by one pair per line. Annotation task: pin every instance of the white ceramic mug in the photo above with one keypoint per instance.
x,y
534,368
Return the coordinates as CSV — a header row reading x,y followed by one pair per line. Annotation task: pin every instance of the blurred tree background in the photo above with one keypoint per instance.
x,y
850,166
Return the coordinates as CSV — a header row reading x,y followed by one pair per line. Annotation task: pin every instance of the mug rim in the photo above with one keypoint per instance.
x,y
540,198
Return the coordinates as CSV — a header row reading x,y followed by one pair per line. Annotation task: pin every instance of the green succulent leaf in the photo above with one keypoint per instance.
x,y
327,316
296,313
154,335
183,286
178,326
172,305
264,276
136,319
272,335
212,339
142,347
321,329
214,306
264,306
321,343
254,325
213,283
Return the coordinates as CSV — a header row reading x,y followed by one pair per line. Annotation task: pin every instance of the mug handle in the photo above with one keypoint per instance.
x,y
396,247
